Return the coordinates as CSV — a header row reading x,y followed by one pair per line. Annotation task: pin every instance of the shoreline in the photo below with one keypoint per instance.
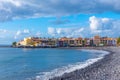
x,y
68,47
103,69
107,68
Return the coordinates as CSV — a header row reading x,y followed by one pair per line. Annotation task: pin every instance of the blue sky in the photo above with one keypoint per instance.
x,y
58,18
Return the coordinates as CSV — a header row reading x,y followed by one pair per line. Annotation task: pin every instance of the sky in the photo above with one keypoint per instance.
x,y
58,18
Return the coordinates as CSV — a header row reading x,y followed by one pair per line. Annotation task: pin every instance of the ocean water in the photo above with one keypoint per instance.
x,y
42,64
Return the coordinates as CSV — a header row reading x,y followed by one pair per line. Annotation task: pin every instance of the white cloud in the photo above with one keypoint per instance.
x,y
94,23
15,9
104,26
38,34
104,20
26,31
22,34
51,30
68,32
98,25
18,32
3,30
14,2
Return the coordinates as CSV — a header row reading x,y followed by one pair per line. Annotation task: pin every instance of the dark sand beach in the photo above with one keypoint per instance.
x,y
107,68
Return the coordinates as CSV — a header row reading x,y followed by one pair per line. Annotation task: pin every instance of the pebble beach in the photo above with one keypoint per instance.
x,y
107,68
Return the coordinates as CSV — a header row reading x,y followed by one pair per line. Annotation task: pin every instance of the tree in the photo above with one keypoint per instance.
x,y
118,41
14,43
83,43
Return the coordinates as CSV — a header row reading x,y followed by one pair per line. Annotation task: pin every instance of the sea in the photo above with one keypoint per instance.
x,y
44,63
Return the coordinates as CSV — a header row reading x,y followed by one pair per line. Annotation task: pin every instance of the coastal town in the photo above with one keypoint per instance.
x,y
67,42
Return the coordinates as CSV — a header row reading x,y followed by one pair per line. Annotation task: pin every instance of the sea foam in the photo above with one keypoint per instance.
x,y
70,68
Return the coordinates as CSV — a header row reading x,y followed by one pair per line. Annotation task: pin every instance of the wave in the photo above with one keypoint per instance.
x,y
96,51
70,68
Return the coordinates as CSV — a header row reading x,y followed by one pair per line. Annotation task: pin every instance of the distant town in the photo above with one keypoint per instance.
x,y
67,42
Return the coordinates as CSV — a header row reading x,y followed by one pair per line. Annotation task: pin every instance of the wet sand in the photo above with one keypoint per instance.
x,y
107,68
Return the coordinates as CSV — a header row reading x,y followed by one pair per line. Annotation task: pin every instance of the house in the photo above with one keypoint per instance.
x,y
114,41
71,42
111,42
92,42
96,40
103,41
52,42
64,41
37,41
86,42
26,42
60,43
78,42
68,42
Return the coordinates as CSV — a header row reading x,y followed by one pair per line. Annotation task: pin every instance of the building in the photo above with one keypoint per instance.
x,y
64,42
86,42
52,42
36,41
71,42
30,41
79,42
92,42
103,41
96,40
111,42
60,43
26,42
68,42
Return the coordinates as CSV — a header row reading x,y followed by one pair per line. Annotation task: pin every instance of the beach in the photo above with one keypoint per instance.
x,y
107,68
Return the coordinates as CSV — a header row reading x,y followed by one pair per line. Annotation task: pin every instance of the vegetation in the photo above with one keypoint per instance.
x,y
118,41
14,43
83,41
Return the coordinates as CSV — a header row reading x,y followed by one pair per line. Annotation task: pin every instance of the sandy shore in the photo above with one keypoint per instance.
x,y
106,69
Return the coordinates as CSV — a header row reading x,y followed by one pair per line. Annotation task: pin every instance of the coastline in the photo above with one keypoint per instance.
x,y
107,68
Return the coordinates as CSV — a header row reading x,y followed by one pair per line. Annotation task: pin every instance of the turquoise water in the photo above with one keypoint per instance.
x,y
25,64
